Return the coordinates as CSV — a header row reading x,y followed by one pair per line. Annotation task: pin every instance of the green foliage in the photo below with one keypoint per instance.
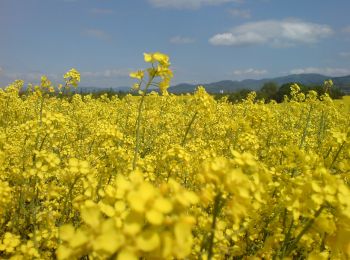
x,y
268,91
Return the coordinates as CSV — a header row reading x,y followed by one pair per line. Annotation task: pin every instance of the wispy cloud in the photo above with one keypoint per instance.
x,y
99,11
96,33
103,78
187,4
275,33
346,29
108,73
328,71
106,78
181,40
241,13
344,54
30,76
251,73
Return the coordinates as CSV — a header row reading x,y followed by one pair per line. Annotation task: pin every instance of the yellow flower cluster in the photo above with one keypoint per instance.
x,y
172,177
133,219
72,78
159,68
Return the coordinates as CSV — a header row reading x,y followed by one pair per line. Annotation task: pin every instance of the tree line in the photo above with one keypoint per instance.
x,y
271,91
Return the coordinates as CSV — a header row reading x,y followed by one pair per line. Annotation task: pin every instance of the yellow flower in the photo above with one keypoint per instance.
x,y
72,77
91,216
80,237
148,57
9,243
64,252
164,85
66,232
183,238
137,75
161,58
133,223
163,205
148,241
110,240
127,255
154,217
106,209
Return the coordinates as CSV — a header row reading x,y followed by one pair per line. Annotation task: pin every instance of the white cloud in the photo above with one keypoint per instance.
x,y
252,73
181,40
187,4
275,33
248,38
108,73
96,33
32,76
328,71
103,78
36,75
240,13
344,54
346,29
99,11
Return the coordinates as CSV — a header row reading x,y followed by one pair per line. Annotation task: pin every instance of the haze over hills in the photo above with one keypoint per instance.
x,y
231,86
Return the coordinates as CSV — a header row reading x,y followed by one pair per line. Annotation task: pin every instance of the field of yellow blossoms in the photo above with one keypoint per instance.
x,y
159,176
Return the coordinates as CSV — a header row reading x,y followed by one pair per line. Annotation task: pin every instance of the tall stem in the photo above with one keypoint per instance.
x,y
216,212
188,128
306,128
337,154
308,225
138,123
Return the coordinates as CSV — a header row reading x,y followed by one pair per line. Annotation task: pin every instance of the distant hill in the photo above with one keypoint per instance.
x,y
253,84
233,85
86,89
343,83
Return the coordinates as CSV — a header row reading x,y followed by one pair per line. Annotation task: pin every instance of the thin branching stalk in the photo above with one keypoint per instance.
x,y
337,154
216,212
321,129
138,122
188,128
306,128
287,238
308,225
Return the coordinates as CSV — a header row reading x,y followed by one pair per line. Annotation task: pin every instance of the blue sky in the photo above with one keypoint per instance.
x,y
207,40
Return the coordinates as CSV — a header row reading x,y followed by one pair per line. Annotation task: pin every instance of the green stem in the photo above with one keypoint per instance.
x,y
138,123
41,110
306,128
287,239
337,154
322,245
321,128
188,128
303,232
216,211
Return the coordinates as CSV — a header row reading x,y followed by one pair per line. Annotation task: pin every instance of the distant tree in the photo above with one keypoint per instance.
x,y
285,90
336,93
268,91
238,95
318,88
